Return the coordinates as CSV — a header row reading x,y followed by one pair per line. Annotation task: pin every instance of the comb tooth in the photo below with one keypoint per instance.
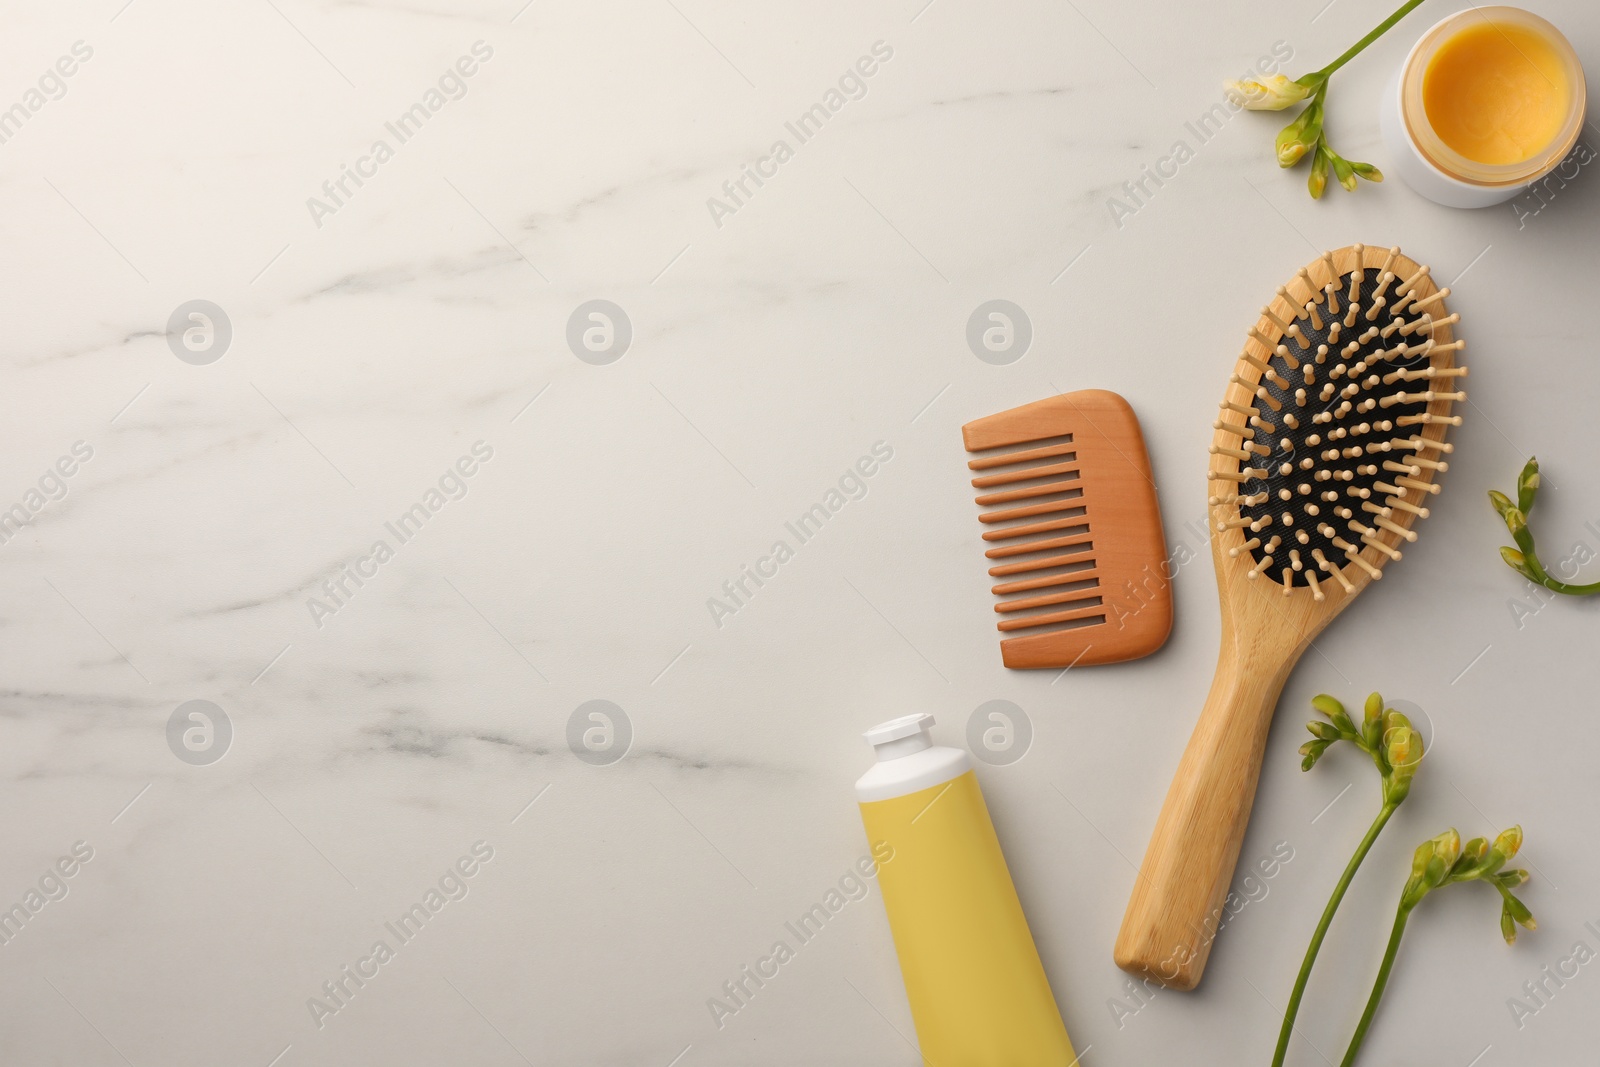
x,y
1025,474
1268,399
1311,310
1288,357
1261,338
1042,564
1376,308
1228,405
1072,503
1038,490
1037,527
1331,292
1045,620
1048,600
1048,580
1401,468
1327,260
1240,430
1333,331
1036,546
1433,349
1236,453
986,462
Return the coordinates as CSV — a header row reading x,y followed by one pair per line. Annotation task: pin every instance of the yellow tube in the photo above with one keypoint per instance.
x,y
978,993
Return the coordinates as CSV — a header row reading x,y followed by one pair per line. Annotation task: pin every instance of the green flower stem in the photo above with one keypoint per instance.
x,y
1355,49
1401,915
1543,576
1322,930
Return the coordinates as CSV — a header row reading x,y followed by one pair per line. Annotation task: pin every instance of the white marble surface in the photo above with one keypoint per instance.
x,y
827,313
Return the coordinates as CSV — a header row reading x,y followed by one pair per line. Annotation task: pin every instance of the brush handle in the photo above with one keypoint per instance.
x,y
1176,907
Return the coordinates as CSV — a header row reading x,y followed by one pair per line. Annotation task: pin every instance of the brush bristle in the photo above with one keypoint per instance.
x,y
1335,457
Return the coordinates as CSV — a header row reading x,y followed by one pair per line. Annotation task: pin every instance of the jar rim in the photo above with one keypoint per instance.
x,y
1433,148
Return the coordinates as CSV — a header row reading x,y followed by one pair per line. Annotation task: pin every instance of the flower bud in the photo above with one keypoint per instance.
x,y
1501,502
1518,562
1323,731
1402,754
1528,485
1448,846
1343,172
1266,94
1509,842
1473,854
1317,183
1367,171
1300,136
1327,705
1335,712
1512,878
1519,912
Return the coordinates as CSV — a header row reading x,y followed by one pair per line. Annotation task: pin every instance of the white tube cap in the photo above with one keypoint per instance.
x,y
902,736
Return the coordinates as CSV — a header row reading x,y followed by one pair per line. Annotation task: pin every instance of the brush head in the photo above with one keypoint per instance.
x,y
1333,425
1069,509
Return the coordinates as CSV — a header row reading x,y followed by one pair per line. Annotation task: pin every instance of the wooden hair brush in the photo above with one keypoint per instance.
x,y
1331,433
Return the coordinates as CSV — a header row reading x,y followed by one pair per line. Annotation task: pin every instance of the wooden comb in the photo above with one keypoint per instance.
x,y
1331,433
1076,530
